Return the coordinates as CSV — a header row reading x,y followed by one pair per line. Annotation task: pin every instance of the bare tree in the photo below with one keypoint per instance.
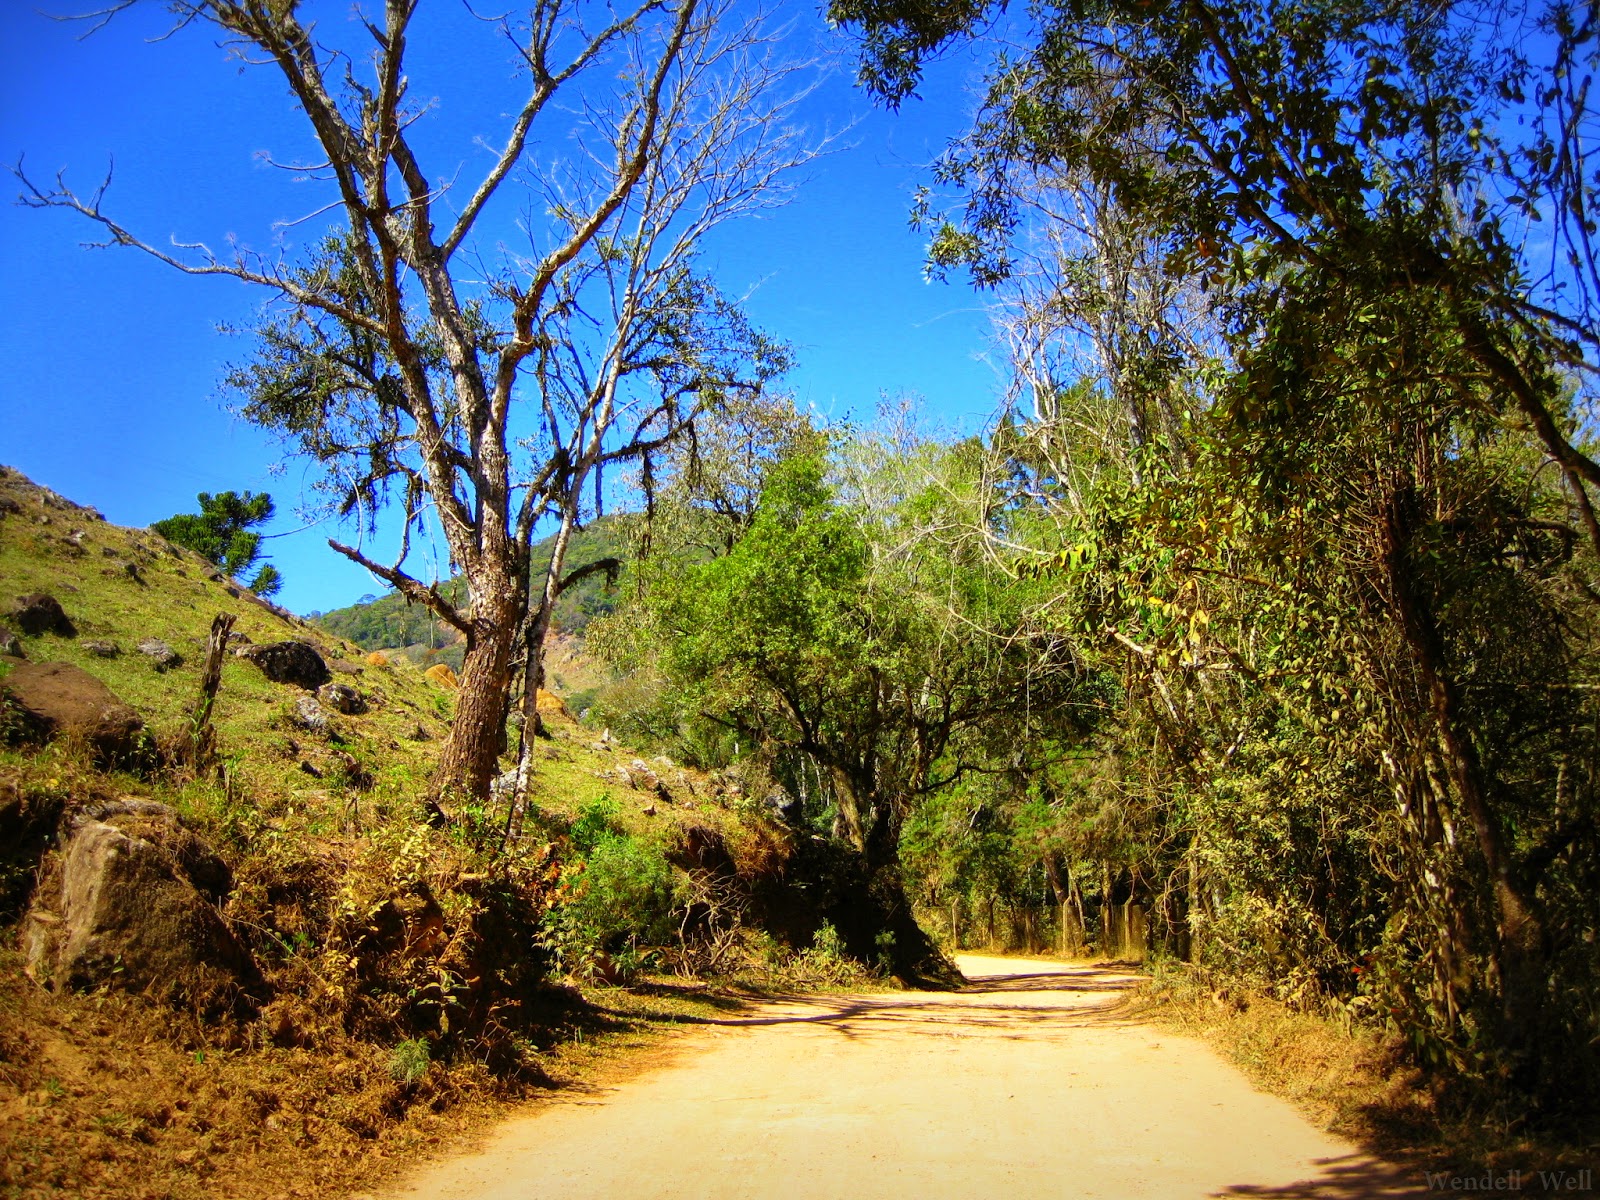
x,y
483,387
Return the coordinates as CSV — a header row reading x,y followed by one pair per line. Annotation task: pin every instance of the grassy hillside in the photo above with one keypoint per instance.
x,y
354,1046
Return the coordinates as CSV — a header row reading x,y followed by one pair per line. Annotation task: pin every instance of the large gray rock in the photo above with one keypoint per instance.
x,y
296,663
161,826
161,655
309,716
127,910
44,701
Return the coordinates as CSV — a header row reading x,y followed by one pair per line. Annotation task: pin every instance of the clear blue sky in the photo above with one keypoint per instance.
x,y
109,392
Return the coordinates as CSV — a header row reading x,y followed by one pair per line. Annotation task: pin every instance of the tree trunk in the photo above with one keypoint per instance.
x,y
470,758
202,733
1056,872
1520,934
850,809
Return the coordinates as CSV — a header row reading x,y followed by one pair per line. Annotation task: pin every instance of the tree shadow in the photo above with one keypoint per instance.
x,y
1348,1177
949,1014
1081,979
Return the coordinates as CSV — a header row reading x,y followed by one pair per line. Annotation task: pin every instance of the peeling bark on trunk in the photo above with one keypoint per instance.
x,y
470,757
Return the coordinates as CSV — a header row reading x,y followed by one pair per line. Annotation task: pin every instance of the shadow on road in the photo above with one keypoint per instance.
x,y
1351,1177
1082,979
1025,1007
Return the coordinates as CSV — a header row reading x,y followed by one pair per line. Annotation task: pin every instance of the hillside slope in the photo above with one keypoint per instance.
x,y
392,976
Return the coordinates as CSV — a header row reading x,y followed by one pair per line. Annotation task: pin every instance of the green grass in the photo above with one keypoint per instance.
x,y
174,599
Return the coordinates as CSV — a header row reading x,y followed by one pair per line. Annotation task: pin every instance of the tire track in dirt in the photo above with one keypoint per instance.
x,y
1028,1083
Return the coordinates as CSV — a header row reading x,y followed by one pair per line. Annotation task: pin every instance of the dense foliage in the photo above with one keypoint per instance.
x,y
1311,417
1268,604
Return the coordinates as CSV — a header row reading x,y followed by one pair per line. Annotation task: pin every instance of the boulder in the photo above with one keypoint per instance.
x,y
441,674
309,716
377,659
161,825
162,656
9,645
125,911
341,697
641,777
551,705
40,612
103,649
295,663
54,699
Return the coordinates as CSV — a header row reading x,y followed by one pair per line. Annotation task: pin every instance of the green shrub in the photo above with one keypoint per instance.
x,y
617,898
825,961
408,1062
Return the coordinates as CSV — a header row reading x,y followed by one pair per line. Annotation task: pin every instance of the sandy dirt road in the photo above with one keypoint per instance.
x,y
1026,1084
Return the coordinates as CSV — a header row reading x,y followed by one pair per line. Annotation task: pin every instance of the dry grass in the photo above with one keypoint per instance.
x,y
105,1096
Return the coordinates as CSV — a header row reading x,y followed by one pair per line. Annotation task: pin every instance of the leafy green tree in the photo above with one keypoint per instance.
x,y
813,636
1339,607
223,531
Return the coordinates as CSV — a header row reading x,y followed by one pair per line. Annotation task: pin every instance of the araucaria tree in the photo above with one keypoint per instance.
x,y
423,364
221,531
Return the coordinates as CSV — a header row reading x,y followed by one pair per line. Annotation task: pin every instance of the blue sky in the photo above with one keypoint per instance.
x,y
112,360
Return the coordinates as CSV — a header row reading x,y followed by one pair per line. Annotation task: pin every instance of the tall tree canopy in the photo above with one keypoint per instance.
x,y
1333,267
425,363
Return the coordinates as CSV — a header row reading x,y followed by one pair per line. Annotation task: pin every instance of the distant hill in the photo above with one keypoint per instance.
x,y
388,622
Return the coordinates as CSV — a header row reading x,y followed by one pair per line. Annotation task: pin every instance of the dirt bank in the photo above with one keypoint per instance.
x,y
1028,1083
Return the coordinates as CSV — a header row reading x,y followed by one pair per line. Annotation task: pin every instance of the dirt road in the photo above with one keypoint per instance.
x,y
1027,1084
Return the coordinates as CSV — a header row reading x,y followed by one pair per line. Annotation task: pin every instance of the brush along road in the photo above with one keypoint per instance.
x,y
1026,1084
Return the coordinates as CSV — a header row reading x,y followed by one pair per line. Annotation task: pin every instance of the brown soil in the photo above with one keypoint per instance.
x,y
109,1097
1032,1081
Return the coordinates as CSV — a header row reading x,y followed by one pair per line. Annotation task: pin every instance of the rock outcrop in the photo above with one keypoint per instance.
x,y
40,613
343,698
161,655
44,701
309,716
296,663
132,905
